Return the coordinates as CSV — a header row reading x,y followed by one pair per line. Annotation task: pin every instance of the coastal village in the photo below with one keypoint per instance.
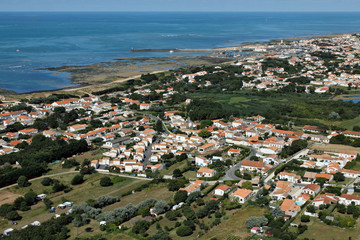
x,y
246,160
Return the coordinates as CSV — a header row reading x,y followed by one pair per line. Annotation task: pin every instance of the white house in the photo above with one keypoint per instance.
x,y
242,195
206,172
221,190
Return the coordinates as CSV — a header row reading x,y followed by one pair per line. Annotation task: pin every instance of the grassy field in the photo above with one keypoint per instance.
x,y
178,165
235,225
159,192
79,193
349,124
334,147
248,102
320,231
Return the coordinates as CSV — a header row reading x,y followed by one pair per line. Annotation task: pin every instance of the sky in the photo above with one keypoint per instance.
x,y
182,5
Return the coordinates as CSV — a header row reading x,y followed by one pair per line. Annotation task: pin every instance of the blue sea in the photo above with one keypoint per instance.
x,y
57,39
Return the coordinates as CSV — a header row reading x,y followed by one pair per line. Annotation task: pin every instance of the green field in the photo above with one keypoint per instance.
x,y
286,106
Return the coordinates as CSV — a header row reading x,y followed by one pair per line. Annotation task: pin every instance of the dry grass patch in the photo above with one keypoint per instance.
x,y
320,231
7,197
334,147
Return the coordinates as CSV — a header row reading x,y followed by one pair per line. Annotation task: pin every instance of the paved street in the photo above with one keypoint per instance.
x,y
230,174
296,155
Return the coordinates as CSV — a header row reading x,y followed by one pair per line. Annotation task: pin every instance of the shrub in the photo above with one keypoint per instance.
x,y
170,215
107,200
105,181
47,181
78,179
256,221
305,218
180,196
23,181
184,231
160,207
13,215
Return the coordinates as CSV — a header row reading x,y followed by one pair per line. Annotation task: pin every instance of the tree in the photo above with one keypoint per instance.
x,y
256,222
30,198
158,126
105,181
79,220
263,201
204,134
23,181
193,196
170,215
247,185
5,209
180,196
13,215
46,181
277,212
311,209
177,173
341,208
140,227
103,201
48,203
305,218
78,179
339,177
184,231
161,207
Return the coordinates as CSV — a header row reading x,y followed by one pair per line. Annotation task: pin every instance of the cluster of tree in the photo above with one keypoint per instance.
x,y
109,90
295,146
176,184
120,215
149,77
207,109
342,139
351,209
299,80
256,222
33,158
308,108
50,99
280,63
48,230
60,118
222,80
102,201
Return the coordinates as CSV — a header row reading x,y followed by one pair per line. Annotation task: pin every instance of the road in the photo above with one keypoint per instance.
x,y
296,155
148,152
230,174
158,119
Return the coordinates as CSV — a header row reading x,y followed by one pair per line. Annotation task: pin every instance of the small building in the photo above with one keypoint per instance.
x,y
206,172
222,190
242,195
311,189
